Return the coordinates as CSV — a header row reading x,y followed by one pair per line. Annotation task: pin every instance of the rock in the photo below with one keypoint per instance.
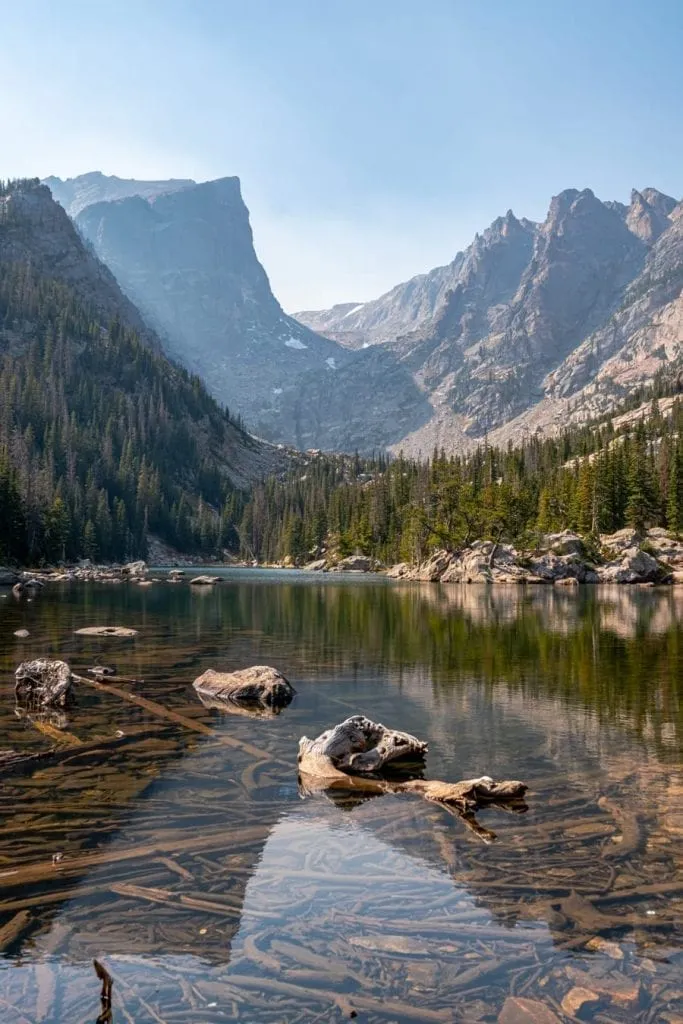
x,y
614,985
120,631
258,684
565,543
355,563
401,571
204,581
579,1000
8,577
526,1011
632,566
33,584
434,568
43,682
138,568
21,633
600,945
102,670
145,583
567,581
319,565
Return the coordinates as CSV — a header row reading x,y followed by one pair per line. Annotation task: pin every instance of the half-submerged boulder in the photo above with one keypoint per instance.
x,y
204,581
43,683
351,753
120,631
258,685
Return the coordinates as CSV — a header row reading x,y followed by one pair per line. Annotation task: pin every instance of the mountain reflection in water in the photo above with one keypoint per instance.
x,y
212,890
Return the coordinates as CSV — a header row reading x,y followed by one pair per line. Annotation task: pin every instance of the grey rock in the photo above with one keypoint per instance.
x,y
43,682
319,565
205,581
260,683
355,563
632,566
8,577
22,634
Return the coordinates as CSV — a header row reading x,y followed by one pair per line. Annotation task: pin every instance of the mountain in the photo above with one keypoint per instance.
x,y
531,325
103,441
75,194
184,254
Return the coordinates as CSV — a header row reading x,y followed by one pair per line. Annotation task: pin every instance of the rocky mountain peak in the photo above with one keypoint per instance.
x,y
648,215
185,256
74,194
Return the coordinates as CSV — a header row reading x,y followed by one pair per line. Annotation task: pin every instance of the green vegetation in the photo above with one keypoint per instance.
x,y
102,441
591,479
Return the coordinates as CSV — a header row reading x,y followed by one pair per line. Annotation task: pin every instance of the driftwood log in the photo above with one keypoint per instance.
x,y
43,683
346,756
259,685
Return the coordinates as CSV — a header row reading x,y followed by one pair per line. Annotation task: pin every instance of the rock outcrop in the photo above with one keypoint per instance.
x,y
560,558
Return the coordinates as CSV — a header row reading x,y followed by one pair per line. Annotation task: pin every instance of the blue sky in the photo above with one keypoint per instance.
x,y
372,137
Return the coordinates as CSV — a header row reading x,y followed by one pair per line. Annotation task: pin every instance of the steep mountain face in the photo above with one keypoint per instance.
x,y
530,324
103,440
75,194
185,257
36,230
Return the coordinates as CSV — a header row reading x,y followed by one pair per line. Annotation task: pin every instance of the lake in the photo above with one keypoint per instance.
x,y
180,851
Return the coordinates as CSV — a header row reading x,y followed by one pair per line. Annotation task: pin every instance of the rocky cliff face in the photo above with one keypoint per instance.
x,y
532,324
36,230
38,240
75,194
185,257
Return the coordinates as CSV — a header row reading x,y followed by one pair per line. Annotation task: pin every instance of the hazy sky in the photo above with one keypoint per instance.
x,y
372,137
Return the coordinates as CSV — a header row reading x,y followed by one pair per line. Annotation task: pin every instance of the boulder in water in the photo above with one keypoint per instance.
x,y
43,682
259,684
204,581
121,631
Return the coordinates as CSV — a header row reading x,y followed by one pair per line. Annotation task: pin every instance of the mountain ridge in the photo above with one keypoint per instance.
x,y
185,257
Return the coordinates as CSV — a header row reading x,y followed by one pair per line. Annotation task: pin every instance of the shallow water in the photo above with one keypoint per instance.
x,y
187,860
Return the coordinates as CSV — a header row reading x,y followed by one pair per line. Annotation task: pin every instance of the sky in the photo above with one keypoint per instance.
x,y
373,138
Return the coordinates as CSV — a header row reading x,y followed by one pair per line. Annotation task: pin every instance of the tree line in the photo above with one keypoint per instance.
x,y
594,479
102,441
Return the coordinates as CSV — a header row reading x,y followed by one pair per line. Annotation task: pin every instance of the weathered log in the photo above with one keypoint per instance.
x,y
342,757
259,684
356,745
43,683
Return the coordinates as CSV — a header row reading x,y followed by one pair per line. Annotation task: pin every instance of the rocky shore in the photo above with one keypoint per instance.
x,y
565,559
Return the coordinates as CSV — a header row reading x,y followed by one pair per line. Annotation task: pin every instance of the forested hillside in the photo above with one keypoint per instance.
x,y
103,441
596,479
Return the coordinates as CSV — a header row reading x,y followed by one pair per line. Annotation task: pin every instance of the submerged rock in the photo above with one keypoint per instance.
x,y
121,631
259,684
204,581
43,682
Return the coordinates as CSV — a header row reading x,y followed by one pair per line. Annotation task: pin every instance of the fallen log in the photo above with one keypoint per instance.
x,y
345,756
